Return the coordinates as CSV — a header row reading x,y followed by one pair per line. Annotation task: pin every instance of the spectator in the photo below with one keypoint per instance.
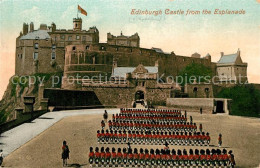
x,y
65,153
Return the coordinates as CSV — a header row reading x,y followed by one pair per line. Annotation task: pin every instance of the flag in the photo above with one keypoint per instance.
x,y
82,11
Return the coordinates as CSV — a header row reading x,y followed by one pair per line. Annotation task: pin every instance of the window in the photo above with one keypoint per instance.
x,y
83,38
117,49
35,55
73,48
21,56
102,48
87,47
77,37
36,46
53,55
62,37
131,50
53,47
183,59
195,89
70,38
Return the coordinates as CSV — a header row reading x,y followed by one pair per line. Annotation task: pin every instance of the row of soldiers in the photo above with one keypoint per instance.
x,y
153,137
163,157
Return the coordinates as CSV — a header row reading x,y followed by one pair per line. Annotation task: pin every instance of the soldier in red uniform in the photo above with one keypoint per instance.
x,y
130,156
203,157
197,157
113,156
97,155
119,156
146,157
125,155
102,155
103,124
180,159
136,156
191,157
158,157
225,157
91,155
185,157
208,157
108,156
231,159
152,157
141,156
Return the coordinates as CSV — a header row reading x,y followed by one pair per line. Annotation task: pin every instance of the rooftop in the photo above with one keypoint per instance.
x,y
225,59
37,34
122,71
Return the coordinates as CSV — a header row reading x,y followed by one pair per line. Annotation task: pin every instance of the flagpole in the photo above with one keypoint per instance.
x,y
78,12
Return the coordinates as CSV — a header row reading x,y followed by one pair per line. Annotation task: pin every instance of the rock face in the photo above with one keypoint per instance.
x,y
14,93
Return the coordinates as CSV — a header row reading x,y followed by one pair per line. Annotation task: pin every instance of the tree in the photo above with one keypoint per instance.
x,y
245,100
192,72
2,117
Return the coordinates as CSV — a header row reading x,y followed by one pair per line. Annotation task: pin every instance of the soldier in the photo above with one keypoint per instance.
x,y
97,155
108,156
119,156
105,116
103,124
231,159
219,140
136,156
141,156
113,156
91,156
200,127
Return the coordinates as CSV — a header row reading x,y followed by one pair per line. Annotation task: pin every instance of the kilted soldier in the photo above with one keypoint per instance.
x,y
108,156
102,155
185,157
191,157
91,156
208,157
174,158
130,156
158,157
203,158
141,156
219,140
119,156
97,155
152,157
113,156
197,157
180,161
231,159
147,157
136,156
103,124
125,155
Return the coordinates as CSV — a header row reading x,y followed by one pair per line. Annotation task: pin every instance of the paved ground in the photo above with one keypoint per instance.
x,y
240,134
14,138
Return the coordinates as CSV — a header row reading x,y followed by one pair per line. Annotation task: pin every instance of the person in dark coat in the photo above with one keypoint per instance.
x,y
65,153
105,116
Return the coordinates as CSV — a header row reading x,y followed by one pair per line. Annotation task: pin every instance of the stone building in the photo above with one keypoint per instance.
x,y
122,40
231,68
43,50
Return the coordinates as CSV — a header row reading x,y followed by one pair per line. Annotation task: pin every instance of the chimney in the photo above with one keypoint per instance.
x,y
221,53
238,52
25,28
31,27
53,27
43,27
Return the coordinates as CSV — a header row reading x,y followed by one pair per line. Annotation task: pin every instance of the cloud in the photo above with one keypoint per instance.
x,y
32,15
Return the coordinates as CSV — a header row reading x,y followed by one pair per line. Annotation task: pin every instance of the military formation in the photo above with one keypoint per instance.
x,y
155,127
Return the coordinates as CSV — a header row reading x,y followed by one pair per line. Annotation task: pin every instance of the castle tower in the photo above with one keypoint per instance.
x,y
77,24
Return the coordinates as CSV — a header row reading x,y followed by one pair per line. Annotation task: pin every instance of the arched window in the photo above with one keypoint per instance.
x,y
73,48
195,90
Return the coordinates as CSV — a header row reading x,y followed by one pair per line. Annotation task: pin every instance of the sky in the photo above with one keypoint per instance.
x,y
182,34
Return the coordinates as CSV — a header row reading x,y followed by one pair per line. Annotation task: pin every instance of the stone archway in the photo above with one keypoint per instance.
x,y
139,95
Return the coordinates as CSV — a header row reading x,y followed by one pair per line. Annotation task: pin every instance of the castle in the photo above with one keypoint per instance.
x,y
77,53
